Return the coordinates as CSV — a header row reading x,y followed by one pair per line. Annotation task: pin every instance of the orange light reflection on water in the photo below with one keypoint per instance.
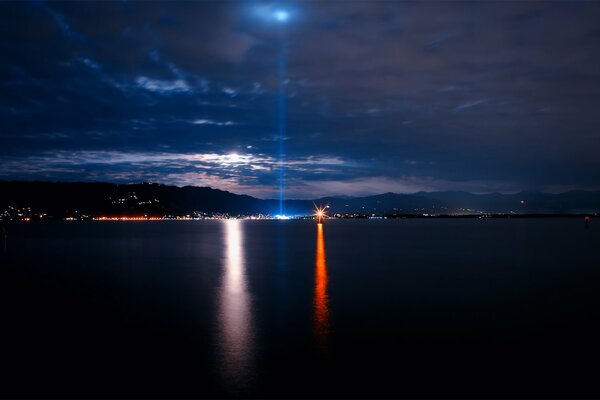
x,y
321,299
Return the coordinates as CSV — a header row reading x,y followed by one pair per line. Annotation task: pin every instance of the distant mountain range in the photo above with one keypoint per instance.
x,y
61,199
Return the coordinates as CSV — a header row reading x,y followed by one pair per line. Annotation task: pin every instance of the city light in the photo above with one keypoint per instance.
x,y
320,214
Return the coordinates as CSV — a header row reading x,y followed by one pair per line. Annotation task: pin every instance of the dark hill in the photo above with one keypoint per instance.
x,y
60,199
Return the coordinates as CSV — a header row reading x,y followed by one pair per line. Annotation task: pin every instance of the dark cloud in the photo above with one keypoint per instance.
x,y
381,96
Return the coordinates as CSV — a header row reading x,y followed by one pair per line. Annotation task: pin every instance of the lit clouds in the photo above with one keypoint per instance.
x,y
230,171
253,174
211,122
469,104
162,86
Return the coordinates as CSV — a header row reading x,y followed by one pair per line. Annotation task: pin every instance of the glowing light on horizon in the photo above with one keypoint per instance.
x,y
320,214
127,218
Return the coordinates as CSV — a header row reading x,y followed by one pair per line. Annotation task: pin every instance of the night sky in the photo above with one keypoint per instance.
x,y
381,96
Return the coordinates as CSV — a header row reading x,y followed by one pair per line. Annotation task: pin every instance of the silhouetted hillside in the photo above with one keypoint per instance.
x,y
61,199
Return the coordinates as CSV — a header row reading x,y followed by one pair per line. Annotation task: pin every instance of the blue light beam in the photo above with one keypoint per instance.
x,y
282,126
280,17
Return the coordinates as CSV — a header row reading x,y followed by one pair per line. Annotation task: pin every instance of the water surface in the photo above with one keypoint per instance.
x,y
354,308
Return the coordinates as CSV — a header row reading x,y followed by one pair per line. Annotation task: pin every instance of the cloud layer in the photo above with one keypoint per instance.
x,y
381,96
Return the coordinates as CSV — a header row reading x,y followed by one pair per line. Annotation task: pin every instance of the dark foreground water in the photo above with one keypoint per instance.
x,y
417,308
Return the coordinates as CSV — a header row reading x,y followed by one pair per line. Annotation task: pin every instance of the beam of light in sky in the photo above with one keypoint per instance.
x,y
235,313
281,16
282,128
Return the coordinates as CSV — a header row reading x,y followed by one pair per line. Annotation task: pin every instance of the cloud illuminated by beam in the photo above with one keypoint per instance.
x,y
162,86
239,173
211,122
165,160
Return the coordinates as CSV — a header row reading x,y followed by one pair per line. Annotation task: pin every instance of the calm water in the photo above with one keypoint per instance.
x,y
268,308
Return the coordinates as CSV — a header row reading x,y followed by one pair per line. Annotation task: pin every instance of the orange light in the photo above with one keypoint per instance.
x,y
320,214
128,218
320,300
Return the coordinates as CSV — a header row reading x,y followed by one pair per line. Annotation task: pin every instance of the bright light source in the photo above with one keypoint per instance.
x,y
233,158
281,15
320,213
273,14
282,217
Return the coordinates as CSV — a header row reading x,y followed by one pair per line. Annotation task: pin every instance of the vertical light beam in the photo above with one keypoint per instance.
x,y
282,111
